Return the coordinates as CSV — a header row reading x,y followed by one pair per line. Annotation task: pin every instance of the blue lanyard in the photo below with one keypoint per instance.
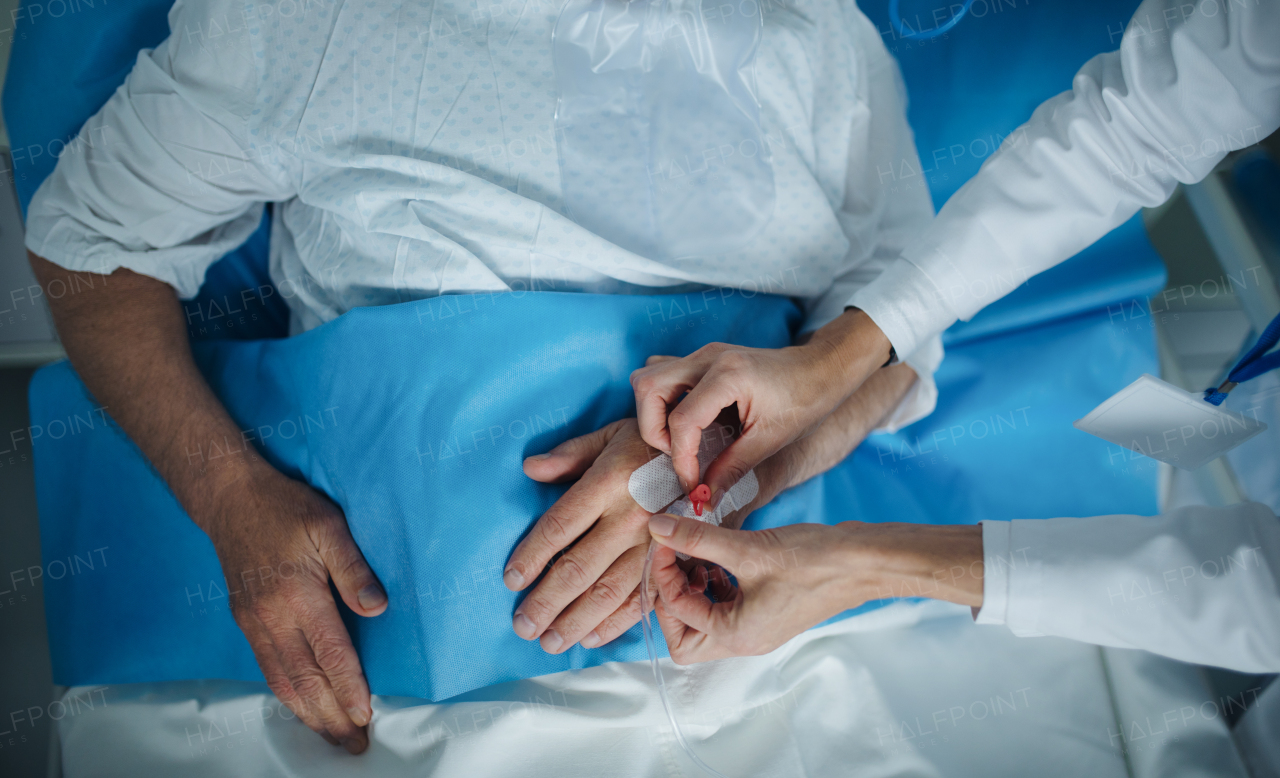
x,y
895,18
1251,365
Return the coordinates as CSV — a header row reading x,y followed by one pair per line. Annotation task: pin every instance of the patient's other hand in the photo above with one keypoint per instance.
x,y
279,542
590,595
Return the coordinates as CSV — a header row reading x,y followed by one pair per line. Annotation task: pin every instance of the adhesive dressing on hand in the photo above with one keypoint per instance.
x,y
655,486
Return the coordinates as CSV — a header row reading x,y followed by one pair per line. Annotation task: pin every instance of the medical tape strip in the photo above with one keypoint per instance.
x,y
655,486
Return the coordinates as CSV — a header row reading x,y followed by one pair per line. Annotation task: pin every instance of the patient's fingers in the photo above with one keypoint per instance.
x,y
624,618
571,458
572,515
265,652
598,602
570,576
657,358
337,657
351,574
312,685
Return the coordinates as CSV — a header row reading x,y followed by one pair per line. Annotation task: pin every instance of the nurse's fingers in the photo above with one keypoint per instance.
x,y
697,411
572,515
572,574
657,388
720,585
737,459
312,685
698,539
685,644
684,598
571,458
597,603
269,662
696,629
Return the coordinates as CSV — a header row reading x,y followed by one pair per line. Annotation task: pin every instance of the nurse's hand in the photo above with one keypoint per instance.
x,y
280,542
781,395
792,578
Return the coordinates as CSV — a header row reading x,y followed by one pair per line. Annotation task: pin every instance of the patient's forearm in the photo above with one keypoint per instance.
x,y
847,425
126,337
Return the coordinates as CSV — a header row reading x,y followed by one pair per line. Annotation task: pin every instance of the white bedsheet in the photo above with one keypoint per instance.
x,y
912,690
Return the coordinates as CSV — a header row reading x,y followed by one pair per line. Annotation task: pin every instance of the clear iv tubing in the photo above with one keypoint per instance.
x,y
895,18
657,671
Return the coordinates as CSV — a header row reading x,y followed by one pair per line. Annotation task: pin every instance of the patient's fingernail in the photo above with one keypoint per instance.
x,y
371,597
551,641
353,745
591,640
539,457
512,579
524,626
358,716
662,525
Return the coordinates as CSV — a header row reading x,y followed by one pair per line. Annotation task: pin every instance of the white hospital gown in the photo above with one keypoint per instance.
x,y
411,147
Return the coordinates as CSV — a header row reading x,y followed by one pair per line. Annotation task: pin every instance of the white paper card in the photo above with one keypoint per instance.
x,y
1170,424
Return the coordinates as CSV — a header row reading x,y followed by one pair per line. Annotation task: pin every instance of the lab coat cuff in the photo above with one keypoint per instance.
x,y
1025,598
905,304
995,574
922,397
966,265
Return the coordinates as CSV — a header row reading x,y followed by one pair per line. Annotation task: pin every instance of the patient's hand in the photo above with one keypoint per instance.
x,y
590,594
279,541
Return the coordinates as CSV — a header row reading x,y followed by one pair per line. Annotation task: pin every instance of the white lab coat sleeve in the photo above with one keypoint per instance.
x,y
1197,584
166,177
882,141
1190,82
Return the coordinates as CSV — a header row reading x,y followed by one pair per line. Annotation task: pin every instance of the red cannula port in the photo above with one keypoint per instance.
x,y
699,496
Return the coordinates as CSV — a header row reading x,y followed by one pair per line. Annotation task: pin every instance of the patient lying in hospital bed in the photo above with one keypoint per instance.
x,y
413,156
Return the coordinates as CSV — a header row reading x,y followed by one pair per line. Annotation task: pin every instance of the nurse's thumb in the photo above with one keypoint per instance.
x,y
738,459
699,539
